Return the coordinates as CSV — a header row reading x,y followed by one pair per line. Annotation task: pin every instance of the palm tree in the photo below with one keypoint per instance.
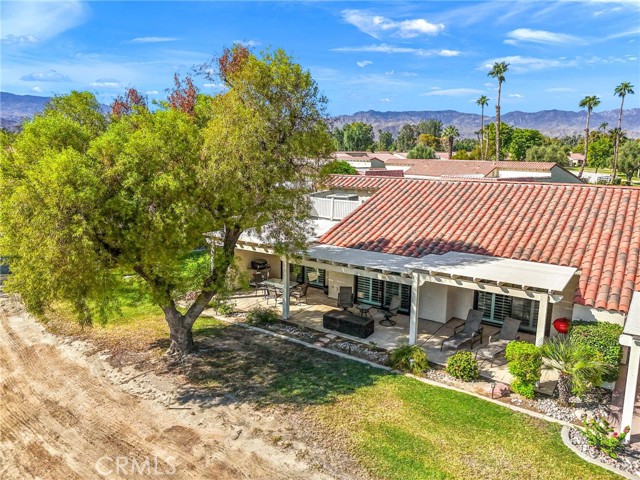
x,y
498,71
483,101
622,90
603,127
588,102
450,133
576,365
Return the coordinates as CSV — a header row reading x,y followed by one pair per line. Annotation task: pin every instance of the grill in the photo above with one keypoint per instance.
x,y
260,264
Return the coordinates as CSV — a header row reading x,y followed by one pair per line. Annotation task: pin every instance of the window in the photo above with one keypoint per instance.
x,y
496,307
314,276
379,293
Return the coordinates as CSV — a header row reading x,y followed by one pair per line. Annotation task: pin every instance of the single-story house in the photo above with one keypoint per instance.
x,y
532,251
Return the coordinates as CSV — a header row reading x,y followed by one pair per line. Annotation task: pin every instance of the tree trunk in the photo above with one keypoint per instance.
x,y
181,335
450,147
586,144
617,143
564,389
498,123
482,154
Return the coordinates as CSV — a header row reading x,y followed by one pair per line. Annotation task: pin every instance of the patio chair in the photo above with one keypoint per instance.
x,y
469,332
300,291
384,316
498,343
345,298
256,282
273,294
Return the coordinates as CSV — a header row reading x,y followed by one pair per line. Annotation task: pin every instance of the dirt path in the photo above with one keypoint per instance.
x,y
61,417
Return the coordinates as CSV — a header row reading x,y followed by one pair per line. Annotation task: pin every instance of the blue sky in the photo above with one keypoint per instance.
x,y
364,55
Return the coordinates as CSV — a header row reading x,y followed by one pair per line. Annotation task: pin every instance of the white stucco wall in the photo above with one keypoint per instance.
x,y
459,301
335,280
433,302
580,312
245,256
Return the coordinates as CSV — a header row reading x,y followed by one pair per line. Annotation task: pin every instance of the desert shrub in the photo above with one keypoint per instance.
x,y
600,435
222,305
525,364
601,338
409,358
463,365
262,315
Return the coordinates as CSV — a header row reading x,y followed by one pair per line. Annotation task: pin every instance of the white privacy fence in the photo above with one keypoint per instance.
x,y
331,208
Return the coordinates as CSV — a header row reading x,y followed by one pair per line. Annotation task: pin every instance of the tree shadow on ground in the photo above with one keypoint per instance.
x,y
239,365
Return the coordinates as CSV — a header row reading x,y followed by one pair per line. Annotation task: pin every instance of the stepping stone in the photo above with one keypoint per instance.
x,y
324,339
330,335
319,344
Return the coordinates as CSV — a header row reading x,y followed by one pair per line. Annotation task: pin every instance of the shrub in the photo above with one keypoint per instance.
x,y
462,365
409,358
262,315
525,364
222,306
601,338
600,435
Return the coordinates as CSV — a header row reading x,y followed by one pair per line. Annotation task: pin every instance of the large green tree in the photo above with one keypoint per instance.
x,y
81,201
385,140
407,138
357,136
522,139
589,102
482,102
622,90
600,153
497,71
630,159
430,126
548,153
421,152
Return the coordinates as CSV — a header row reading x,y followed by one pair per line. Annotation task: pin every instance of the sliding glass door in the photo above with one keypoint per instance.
x,y
497,307
379,293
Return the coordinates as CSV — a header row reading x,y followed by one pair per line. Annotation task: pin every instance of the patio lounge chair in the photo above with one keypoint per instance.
x,y
384,316
345,298
273,294
469,332
300,291
498,343
256,282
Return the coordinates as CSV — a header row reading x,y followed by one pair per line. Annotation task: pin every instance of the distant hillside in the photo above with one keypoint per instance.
x,y
553,123
14,109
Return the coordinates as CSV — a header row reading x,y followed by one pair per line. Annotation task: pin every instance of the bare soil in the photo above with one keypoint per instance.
x,y
67,413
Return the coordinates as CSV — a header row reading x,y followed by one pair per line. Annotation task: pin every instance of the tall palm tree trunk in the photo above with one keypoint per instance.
x,y
616,143
564,388
498,123
482,147
586,144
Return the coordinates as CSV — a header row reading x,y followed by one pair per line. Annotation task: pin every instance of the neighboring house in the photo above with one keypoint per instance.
x,y
533,251
361,161
575,159
510,171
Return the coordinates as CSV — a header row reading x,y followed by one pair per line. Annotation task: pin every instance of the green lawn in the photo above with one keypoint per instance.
x,y
395,427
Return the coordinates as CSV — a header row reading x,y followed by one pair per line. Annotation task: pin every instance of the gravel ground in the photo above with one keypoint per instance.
x,y
628,460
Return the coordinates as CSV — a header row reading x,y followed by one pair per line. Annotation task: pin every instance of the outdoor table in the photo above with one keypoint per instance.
x,y
364,309
278,283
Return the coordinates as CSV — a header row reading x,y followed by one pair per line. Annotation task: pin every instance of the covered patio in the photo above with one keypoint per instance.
x,y
430,334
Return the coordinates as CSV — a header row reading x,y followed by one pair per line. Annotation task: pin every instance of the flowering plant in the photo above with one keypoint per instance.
x,y
601,435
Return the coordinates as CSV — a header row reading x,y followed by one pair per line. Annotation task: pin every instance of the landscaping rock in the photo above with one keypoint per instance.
x,y
628,459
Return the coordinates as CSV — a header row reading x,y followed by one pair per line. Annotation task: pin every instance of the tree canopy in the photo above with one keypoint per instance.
x,y
83,199
357,136
339,167
421,152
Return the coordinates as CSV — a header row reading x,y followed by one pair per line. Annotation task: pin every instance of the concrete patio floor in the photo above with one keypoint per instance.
x,y
430,334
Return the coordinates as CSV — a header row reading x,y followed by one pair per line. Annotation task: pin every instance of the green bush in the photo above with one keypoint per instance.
x,y
601,338
525,364
600,435
463,365
262,315
409,358
222,306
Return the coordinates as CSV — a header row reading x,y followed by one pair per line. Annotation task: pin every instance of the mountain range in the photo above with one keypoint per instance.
x,y
14,109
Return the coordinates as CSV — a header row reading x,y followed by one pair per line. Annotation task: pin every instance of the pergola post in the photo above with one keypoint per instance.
x,y
542,319
285,289
415,308
631,386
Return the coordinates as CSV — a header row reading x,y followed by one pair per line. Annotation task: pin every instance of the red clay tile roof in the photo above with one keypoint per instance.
x,y
447,168
593,228
381,172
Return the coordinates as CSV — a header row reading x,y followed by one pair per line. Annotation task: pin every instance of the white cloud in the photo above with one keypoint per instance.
x,y
540,36
37,89
364,63
378,26
213,85
151,92
27,23
627,33
247,43
106,83
448,53
451,92
386,48
520,64
516,95
48,76
153,39
385,100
